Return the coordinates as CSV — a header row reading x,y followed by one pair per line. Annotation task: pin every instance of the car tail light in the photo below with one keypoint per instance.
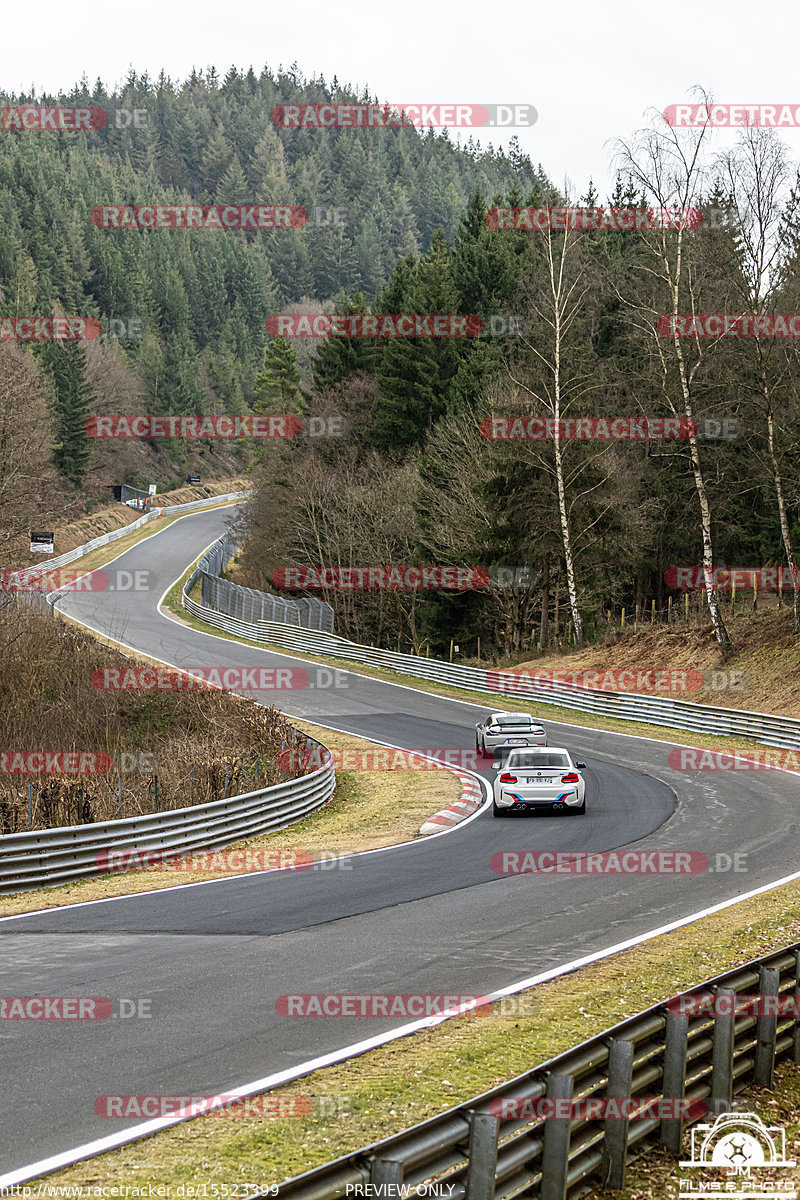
x,y
571,778
506,778
538,732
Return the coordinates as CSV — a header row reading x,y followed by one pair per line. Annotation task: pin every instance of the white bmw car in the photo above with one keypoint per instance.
x,y
504,730
530,779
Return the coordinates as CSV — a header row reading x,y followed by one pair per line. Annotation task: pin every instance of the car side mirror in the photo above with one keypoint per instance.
x,y
580,766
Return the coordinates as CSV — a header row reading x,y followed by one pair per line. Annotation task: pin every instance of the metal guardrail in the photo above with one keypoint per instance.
x,y
660,1052
115,534
44,858
249,604
765,728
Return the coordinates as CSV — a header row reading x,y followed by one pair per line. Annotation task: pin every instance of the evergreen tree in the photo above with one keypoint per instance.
x,y
416,374
66,362
339,357
278,385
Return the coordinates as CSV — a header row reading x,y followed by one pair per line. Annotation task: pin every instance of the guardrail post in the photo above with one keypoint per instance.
x,y
119,795
555,1151
722,1063
766,1027
796,1047
615,1130
484,1129
674,1086
386,1171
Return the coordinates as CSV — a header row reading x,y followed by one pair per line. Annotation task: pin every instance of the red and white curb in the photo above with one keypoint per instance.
x,y
459,810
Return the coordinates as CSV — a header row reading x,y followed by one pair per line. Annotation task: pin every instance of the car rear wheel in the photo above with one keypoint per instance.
x,y
497,811
580,810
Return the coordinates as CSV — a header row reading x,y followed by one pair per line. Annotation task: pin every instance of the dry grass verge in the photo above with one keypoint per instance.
x,y
49,703
369,809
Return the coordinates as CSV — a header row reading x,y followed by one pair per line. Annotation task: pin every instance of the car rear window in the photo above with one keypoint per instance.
x,y
538,760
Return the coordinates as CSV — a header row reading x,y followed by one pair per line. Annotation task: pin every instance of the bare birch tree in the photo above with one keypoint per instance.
x,y
553,375
757,181
668,166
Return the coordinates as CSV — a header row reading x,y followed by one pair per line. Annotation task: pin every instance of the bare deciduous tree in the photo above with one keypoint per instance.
x,y
668,166
29,487
757,181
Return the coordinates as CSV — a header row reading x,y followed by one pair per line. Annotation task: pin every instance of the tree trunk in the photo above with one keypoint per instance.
x,y
544,622
712,599
563,516
569,561
785,535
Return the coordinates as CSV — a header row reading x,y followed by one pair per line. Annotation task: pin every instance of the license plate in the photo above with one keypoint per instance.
x,y
515,741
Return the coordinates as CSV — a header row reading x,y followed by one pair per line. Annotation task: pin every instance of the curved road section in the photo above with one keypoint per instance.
x,y
433,916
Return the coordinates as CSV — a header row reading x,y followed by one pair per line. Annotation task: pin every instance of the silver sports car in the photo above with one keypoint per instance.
x,y
503,730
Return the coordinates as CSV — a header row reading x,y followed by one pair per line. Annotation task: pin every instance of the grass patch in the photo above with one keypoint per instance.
x,y
369,809
390,1088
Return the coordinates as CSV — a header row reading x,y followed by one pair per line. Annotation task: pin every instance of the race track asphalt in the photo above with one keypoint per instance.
x,y
428,917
